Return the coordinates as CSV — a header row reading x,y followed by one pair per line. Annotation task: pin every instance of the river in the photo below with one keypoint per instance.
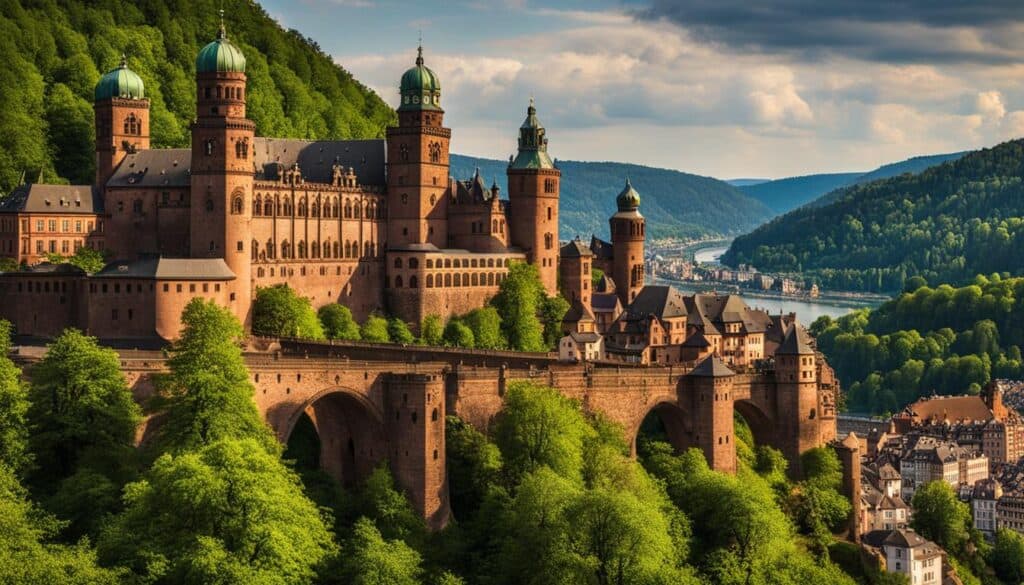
x,y
807,310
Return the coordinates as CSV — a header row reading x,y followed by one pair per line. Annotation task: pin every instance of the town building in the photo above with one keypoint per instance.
x,y
881,501
984,498
919,559
924,459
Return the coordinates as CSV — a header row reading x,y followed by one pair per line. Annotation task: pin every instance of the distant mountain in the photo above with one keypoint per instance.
x,y
782,195
946,224
675,204
746,182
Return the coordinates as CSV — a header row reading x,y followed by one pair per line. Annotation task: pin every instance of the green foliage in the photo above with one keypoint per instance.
x,y
552,309
14,405
596,274
88,259
399,332
518,302
375,329
279,312
81,409
474,467
208,393
1007,557
432,330
229,512
945,224
485,324
380,501
54,53
369,559
941,517
457,334
945,340
26,555
338,323
676,205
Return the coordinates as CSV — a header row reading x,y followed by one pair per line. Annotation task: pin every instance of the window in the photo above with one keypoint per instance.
x,y
39,225
237,206
78,227
549,187
53,225
65,225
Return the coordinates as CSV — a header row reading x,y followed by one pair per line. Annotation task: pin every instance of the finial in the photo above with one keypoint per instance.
x,y
531,109
222,33
124,61
419,54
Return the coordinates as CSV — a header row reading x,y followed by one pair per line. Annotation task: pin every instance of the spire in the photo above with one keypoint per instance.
x,y
532,111
419,54
222,33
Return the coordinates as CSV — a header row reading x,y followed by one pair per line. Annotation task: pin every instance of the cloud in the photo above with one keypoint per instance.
x,y
990,105
896,31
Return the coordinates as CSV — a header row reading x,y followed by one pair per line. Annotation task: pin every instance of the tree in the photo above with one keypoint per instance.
x,y
229,512
399,332
474,466
14,406
540,427
88,259
1007,556
552,310
208,393
81,408
371,560
517,303
279,312
26,554
485,323
432,330
338,323
940,516
375,329
457,334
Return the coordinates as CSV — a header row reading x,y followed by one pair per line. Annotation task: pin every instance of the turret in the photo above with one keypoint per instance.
x,y
797,380
418,163
121,117
575,271
533,183
222,167
628,233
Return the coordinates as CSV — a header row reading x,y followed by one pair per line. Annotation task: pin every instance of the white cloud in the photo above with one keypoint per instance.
x,y
990,105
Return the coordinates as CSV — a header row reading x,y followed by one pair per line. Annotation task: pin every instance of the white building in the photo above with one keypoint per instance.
x,y
908,553
983,505
585,347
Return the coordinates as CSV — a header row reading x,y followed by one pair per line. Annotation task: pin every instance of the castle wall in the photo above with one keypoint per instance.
x,y
356,283
147,221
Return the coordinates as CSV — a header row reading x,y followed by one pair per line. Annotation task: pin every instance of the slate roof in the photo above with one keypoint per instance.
x,y
659,300
160,268
589,337
711,367
604,302
475,190
578,312
316,158
697,340
575,249
154,167
796,342
39,198
600,248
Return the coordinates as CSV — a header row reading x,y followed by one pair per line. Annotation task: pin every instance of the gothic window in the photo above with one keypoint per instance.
x,y
359,210
286,249
315,252
348,209
366,249
237,206
255,250
430,281
302,249
398,281
549,186
268,207
447,279
242,148
257,205
302,207
435,152
398,262
475,279
403,152
494,226
336,248
287,206
270,249
414,284
316,209
334,207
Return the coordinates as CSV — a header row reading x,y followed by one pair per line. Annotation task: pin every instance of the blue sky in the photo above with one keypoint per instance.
x,y
726,88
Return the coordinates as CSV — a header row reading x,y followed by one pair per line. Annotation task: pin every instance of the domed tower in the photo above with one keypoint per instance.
x,y
628,232
121,117
418,163
222,167
533,199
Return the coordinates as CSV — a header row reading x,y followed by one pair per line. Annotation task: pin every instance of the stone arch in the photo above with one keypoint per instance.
x,y
350,430
677,424
760,424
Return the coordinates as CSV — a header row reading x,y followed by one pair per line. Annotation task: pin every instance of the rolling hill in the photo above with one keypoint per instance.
x,y
675,204
783,195
947,224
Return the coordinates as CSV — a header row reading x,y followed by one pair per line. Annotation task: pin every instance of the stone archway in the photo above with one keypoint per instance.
x,y
350,431
667,417
760,425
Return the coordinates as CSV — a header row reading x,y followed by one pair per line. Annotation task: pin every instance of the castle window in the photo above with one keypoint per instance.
x,y
237,205
366,249
430,263
206,92
435,152
398,281
475,279
209,147
348,209
398,262
257,206
414,263
430,281
490,279
302,249
447,279
334,205
548,241
268,207
549,214
412,282
457,280
403,152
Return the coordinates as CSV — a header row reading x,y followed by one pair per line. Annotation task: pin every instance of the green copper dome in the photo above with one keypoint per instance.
x,y
533,144
420,88
120,83
220,56
628,199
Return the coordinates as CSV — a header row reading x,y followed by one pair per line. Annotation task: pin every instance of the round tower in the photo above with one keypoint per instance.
x,y
796,378
628,233
533,185
418,163
121,117
222,167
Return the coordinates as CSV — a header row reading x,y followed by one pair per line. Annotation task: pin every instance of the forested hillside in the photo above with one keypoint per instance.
x,y
54,51
675,204
944,340
947,224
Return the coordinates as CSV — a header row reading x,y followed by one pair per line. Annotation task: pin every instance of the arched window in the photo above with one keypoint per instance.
x,y
358,210
414,263
315,250
268,206
237,205
287,206
494,226
398,281
302,249
270,249
286,250
475,279
457,280
366,249
348,209
398,262
337,249
257,205
302,207
255,250
548,241
430,281
447,279
490,279
334,207
412,282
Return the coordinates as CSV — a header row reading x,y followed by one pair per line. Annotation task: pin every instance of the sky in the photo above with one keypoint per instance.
x,y
723,88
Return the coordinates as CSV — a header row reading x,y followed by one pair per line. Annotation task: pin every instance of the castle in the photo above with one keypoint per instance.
x,y
376,225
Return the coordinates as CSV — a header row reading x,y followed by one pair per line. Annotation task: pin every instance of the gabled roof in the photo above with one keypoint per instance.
x,y
711,367
316,158
589,337
664,302
605,285
575,249
160,268
605,302
474,190
600,248
154,167
578,312
796,342
697,340
39,198
953,408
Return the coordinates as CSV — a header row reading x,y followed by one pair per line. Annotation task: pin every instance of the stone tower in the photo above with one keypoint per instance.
x,y
121,117
796,377
533,199
575,270
418,163
222,168
712,402
628,232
